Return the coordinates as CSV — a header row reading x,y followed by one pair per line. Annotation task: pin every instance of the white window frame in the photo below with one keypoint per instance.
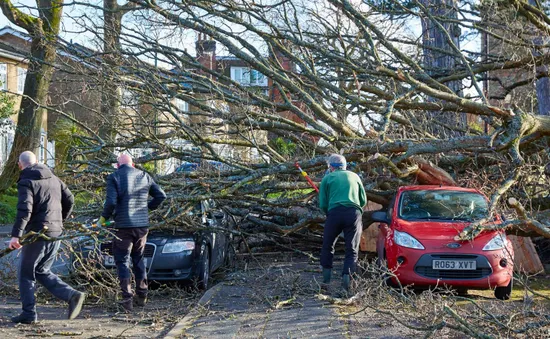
x,y
7,133
21,76
181,105
240,75
247,77
4,76
50,154
43,147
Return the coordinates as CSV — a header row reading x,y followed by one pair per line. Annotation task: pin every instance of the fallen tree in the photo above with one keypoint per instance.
x,y
337,77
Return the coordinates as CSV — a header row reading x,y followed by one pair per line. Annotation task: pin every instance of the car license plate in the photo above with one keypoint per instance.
x,y
454,264
108,261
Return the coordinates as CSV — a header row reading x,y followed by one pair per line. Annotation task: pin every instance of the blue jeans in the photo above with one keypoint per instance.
x,y
342,219
36,260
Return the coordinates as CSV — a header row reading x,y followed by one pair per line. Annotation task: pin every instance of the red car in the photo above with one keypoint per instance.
x,y
416,241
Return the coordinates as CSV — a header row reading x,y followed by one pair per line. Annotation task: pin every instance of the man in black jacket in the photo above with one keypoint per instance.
x,y
44,202
128,191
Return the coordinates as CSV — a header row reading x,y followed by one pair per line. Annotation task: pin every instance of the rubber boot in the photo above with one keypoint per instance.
x,y
327,275
140,300
346,281
127,295
127,305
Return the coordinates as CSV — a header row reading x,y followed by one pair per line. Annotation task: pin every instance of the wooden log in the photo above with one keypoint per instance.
x,y
526,258
430,174
369,235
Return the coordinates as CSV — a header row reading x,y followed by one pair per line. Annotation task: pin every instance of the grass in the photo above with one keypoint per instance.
x,y
540,285
8,208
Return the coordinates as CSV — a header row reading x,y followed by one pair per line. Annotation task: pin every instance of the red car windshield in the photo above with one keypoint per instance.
x,y
442,205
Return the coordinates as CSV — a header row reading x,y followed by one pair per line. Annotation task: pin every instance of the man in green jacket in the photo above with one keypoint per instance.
x,y
342,197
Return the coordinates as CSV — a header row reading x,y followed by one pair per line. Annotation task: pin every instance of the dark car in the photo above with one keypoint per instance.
x,y
208,165
171,254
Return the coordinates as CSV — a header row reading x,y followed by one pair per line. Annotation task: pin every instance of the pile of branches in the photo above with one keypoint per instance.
x,y
343,77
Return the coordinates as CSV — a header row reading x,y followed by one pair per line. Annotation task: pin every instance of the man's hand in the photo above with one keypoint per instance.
x,y
14,244
101,221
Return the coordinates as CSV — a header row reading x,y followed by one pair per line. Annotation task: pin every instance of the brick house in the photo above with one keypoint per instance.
x,y
13,70
239,71
76,89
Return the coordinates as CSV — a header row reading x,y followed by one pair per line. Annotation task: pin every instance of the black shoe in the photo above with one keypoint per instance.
x,y
140,300
23,319
127,304
75,304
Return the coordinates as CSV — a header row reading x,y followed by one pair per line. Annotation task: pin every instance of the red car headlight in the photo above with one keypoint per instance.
x,y
497,243
406,240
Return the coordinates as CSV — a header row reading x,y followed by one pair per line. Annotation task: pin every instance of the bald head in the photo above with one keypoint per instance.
x,y
27,159
124,159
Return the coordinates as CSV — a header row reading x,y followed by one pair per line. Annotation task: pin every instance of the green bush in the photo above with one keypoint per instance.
x,y
284,147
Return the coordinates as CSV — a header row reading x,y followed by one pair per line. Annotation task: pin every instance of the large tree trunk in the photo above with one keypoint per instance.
x,y
43,31
435,38
542,84
111,92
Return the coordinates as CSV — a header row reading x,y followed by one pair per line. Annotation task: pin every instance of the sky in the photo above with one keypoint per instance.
x,y
68,27
73,32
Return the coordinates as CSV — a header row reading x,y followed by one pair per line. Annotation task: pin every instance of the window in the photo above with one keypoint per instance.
x,y
257,78
21,75
239,74
7,132
43,146
4,77
50,159
181,105
443,205
129,98
247,77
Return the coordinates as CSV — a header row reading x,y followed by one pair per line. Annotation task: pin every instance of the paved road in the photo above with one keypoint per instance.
x,y
279,301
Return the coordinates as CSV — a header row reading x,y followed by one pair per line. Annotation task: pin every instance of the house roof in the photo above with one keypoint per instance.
x,y
8,51
10,30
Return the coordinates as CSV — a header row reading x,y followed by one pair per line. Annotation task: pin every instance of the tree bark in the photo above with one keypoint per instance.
x,y
43,31
433,38
111,93
542,85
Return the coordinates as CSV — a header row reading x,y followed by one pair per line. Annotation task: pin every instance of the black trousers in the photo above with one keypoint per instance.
x,y
130,245
342,219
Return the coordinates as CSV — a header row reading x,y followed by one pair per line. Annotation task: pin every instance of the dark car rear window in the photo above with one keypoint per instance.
x,y
442,205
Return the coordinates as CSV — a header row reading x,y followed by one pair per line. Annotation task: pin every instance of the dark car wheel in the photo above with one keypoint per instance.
x,y
461,291
204,268
504,292
386,276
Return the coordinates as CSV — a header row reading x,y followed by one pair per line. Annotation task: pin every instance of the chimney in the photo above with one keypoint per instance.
x,y
206,51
